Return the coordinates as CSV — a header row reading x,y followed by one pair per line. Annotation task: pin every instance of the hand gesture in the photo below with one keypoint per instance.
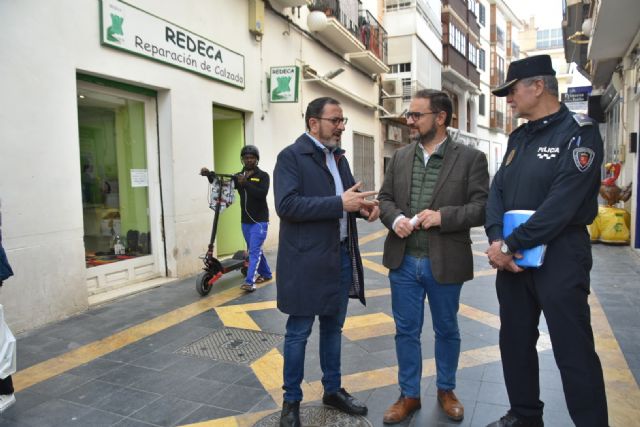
x,y
353,201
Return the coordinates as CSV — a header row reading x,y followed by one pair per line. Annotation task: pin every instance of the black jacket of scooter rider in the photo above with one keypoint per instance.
x,y
252,184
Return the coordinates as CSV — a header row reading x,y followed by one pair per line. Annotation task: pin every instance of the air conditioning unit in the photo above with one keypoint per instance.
x,y
392,96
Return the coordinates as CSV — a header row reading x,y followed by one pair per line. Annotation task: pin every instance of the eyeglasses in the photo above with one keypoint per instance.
x,y
415,115
336,121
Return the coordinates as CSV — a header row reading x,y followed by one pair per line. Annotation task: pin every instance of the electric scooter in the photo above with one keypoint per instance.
x,y
220,196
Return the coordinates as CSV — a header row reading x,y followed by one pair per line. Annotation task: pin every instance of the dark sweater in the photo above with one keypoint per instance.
x,y
253,197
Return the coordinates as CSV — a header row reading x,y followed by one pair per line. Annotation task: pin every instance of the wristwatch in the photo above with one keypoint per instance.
x,y
505,249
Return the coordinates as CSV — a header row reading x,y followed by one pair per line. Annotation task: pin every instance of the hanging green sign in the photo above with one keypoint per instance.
x,y
283,83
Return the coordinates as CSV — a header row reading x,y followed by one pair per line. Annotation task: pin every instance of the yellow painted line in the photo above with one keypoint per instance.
x,y
473,313
479,253
374,266
481,273
370,293
368,326
372,254
373,236
236,316
623,393
50,368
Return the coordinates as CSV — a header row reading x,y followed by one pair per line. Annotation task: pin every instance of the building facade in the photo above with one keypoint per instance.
x,y
603,39
110,109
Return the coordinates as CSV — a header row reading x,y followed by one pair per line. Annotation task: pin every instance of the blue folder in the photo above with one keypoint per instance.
x,y
532,257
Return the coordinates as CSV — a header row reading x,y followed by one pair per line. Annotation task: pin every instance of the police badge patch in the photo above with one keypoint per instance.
x,y
583,157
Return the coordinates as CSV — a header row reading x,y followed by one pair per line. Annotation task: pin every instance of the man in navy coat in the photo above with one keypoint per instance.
x,y
319,265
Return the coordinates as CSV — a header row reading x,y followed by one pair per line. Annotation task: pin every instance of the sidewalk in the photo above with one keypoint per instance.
x,y
167,357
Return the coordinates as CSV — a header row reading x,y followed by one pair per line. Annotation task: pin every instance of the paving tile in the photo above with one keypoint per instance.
x,y
25,401
199,390
127,374
90,393
95,368
159,382
238,398
96,418
226,372
156,360
7,422
205,413
126,401
493,393
250,380
187,366
166,411
54,413
59,385
129,422
485,413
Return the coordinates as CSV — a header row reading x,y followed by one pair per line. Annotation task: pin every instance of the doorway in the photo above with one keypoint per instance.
x,y
120,187
228,140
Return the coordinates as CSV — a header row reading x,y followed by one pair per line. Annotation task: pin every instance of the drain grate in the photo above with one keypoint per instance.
x,y
312,416
233,345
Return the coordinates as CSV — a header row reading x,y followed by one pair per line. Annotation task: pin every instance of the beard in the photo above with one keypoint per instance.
x,y
424,138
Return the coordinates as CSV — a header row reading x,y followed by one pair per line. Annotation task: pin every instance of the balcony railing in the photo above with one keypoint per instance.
x,y
373,35
345,11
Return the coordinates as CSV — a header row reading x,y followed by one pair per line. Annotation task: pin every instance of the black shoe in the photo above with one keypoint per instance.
x,y
290,415
345,402
511,420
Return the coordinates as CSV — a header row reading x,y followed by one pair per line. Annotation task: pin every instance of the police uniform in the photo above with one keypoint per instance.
x,y
551,166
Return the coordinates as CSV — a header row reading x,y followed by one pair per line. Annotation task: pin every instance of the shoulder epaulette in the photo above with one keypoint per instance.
x,y
583,119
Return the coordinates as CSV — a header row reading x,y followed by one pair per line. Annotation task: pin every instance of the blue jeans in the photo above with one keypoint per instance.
x,y
410,283
254,235
299,329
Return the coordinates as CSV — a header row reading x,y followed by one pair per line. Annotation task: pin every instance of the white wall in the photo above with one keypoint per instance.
x,y
39,166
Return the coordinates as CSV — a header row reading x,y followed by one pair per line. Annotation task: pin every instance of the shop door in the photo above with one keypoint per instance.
x,y
120,187
228,140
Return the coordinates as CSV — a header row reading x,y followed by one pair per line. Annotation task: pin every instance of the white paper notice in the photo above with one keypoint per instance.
x,y
139,178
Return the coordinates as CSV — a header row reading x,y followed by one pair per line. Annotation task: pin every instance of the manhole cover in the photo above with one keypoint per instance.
x,y
318,416
233,345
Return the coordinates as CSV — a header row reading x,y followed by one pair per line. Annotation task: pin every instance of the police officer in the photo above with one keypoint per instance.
x,y
551,166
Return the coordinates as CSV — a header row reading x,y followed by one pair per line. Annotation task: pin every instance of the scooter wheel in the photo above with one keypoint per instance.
x,y
244,271
202,283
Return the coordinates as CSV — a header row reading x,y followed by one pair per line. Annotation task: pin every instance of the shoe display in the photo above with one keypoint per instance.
x,y
401,410
290,415
511,420
6,400
344,402
451,405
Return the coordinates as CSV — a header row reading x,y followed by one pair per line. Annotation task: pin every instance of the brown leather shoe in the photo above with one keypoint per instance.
x,y
451,405
400,410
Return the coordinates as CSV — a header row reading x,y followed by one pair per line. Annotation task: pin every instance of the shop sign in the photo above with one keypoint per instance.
x,y
128,28
576,101
283,83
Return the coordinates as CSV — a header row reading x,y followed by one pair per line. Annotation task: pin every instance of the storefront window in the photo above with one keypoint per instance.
x,y
114,178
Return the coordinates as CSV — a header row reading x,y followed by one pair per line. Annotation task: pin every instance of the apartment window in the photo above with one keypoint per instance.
x,y
398,4
481,103
406,89
482,14
364,161
482,59
500,36
549,39
500,70
457,39
400,68
473,6
473,54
